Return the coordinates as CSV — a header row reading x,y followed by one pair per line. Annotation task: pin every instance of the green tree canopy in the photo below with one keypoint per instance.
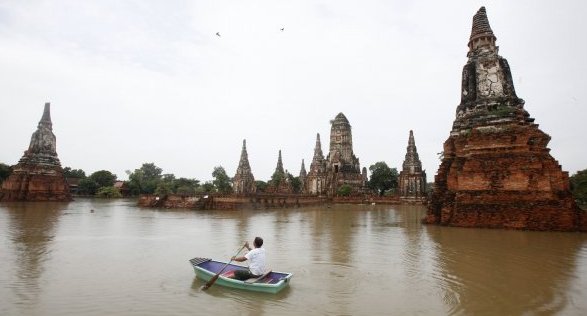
x,y
207,187
5,171
87,186
221,180
74,173
383,178
108,192
103,178
296,183
579,186
261,185
344,190
145,179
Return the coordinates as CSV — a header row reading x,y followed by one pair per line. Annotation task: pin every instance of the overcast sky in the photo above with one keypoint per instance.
x,y
150,81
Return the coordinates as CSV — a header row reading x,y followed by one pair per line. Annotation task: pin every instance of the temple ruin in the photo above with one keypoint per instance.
x,y
244,181
38,176
279,182
496,170
340,167
412,179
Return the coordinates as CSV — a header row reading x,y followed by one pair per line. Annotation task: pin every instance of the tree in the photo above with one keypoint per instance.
x,y
296,183
108,192
344,190
261,185
221,180
74,173
103,178
87,186
5,171
185,186
579,186
383,178
145,179
163,188
207,187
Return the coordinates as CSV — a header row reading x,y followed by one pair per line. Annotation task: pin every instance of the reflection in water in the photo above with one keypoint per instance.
x,y
30,229
346,260
506,272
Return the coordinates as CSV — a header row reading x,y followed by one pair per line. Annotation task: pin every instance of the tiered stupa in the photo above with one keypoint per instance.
x,y
38,176
343,166
316,179
412,179
244,181
279,182
496,170
303,176
340,167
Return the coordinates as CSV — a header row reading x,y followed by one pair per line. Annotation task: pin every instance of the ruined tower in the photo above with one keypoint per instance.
x,y
244,181
496,169
412,179
279,182
316,179
303,176
38,176
342,165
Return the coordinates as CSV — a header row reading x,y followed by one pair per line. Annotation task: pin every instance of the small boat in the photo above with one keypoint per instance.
x,y
270,282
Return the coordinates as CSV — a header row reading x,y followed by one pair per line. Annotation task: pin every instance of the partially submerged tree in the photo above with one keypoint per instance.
x,y
5,171
344,190
145,179
579,186
383,178
108,192
221,180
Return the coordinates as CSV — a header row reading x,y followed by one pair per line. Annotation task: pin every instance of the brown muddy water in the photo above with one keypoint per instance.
x,y
63,259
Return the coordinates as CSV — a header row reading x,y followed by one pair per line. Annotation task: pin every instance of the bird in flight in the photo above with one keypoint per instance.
x,y
283,28
218,34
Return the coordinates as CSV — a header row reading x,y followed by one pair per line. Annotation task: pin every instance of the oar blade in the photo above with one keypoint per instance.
x,y
211,282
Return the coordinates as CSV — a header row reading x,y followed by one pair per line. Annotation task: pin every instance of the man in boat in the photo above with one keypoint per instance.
x,y
256,258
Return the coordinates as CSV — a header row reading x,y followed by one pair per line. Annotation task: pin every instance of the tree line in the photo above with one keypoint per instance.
x,y
150,179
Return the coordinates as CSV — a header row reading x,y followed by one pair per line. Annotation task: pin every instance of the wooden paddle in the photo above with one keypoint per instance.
x,y
214,278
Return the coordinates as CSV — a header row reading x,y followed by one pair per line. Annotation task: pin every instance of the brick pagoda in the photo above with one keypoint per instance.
x,y
38,176
244,181
412,179
496,170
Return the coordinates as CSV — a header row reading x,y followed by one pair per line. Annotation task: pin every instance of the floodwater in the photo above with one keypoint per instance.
x,y
63,259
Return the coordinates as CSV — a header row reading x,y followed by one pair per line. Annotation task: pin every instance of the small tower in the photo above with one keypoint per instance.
x,y
316,179
38,176
244,181
303,176
279,182
412,179
343,167
496,170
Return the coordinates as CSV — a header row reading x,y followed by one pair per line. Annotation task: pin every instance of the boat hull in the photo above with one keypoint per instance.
x,y
205,269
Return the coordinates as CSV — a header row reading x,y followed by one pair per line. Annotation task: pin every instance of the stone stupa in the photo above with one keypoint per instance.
x,y
38,176
496,170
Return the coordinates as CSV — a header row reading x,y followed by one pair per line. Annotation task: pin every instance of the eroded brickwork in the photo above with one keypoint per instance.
x,y
38,176
496,170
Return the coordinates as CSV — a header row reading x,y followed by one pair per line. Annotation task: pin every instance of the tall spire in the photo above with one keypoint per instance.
x,y
243,163
46,118
412,160
303,172
318,148
481,33
244,181
279,167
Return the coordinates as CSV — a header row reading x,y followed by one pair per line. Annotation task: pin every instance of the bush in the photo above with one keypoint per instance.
x,y
108,192
344,190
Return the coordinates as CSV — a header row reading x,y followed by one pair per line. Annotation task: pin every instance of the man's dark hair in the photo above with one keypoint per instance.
x,y
258,242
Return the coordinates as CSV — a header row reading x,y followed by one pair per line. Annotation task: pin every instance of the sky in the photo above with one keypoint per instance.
x,y
132,82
